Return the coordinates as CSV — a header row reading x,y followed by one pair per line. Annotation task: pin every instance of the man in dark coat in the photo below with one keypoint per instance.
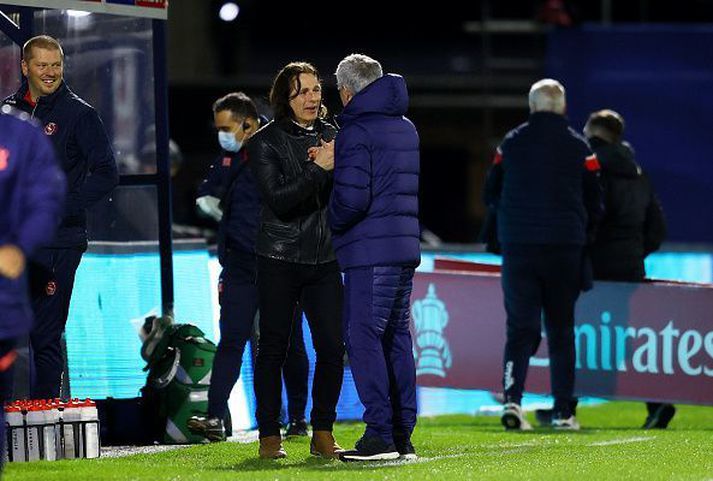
x,y
32,189
84,153
633,225
229,195
373,215
544,186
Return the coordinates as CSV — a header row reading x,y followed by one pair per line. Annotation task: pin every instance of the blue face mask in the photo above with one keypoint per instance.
x,y
228,142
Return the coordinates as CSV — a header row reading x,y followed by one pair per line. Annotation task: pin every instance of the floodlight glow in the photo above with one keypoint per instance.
x,y
229,11
78,13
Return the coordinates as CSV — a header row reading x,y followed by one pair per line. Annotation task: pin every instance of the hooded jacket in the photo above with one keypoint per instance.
x,y
633,225
373,212
32,189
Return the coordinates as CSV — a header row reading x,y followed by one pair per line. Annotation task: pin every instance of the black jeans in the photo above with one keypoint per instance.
x,y
237,291
283,287
541,279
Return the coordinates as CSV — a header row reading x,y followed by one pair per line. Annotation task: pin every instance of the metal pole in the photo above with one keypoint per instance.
x,y
163,166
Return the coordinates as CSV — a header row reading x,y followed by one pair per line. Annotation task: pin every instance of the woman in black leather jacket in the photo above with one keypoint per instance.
x,y
292,158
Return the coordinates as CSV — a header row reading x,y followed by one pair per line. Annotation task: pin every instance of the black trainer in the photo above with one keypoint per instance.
x,y
210,428
371,448
296,427
544,416
406,450
402,441
659,416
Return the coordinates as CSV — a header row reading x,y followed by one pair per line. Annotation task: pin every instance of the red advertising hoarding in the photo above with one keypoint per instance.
x,y
649,341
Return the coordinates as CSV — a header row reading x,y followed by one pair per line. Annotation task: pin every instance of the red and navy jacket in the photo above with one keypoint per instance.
x,y
231,180
544,184
84,153
32,189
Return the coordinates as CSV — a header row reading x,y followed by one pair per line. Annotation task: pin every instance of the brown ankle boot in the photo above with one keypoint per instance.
x,y
324,445
271,448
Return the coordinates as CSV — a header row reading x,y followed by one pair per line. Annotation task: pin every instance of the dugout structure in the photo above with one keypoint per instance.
x,y
115,58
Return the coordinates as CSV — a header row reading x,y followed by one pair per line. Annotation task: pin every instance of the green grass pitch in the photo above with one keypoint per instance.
x,y
610,447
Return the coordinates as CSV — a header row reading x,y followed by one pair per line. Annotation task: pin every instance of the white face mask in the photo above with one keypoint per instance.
x,y
228,141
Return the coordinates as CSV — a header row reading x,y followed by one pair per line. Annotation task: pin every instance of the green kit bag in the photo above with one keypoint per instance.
x,y
180,363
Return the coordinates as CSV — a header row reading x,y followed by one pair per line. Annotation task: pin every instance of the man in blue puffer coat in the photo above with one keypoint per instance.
x,y
32,189
373,215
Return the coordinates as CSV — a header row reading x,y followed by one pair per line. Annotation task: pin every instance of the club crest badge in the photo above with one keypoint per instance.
x,y
50,128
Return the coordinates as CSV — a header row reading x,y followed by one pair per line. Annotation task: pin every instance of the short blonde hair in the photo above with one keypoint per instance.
x,y
41,41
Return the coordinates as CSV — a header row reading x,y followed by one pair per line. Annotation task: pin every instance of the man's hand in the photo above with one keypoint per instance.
x,y
323,155
210,205
12,261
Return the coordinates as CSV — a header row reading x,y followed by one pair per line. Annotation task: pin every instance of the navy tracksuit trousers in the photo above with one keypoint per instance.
x,y
238,296
376,332
541,279
51,274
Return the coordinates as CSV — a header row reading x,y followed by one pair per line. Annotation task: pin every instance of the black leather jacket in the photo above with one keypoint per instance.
x,y
295,193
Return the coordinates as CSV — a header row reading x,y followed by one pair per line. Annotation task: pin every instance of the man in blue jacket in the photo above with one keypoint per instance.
x,y
544,186
85,155
373,215
32,189
229,195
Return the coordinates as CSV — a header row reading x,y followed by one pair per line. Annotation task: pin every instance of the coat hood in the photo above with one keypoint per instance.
x,y
616,159
386,95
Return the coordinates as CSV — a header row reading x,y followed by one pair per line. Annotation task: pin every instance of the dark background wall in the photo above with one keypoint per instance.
x,y
468,65
660,78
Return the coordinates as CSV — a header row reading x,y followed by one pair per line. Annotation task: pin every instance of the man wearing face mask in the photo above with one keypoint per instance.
x,y
230,196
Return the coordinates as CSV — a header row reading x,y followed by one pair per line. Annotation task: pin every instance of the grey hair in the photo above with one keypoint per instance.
x,y
547,95
356,71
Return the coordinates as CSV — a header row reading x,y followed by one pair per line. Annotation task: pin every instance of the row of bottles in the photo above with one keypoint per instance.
x,y
51,429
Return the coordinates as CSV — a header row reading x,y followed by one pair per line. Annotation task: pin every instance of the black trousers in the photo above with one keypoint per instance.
x,y
317,289
541,279
51,274
238,296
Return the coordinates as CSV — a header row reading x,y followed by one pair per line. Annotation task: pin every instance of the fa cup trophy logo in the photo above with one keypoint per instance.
x,y
431,351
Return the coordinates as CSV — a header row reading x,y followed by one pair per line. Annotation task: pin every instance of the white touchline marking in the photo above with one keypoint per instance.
x,y
611,442
397,462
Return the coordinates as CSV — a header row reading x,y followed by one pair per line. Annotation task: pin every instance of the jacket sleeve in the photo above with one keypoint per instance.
x,y
103,176
654,225
44,186
351,195
279,193
216,181
592,194
494,181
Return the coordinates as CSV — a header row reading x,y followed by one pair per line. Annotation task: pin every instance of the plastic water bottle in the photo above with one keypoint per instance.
x,y
90,426
15,442
49,434
71,432
35,425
